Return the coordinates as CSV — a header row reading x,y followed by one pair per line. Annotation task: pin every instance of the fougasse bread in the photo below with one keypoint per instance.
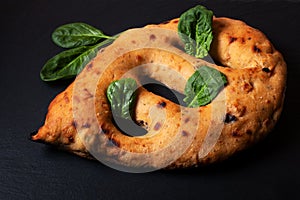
x,y
79,119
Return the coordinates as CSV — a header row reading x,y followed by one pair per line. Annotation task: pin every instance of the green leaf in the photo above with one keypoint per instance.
x,y
121,95
203,86
69,63
195,30
77,34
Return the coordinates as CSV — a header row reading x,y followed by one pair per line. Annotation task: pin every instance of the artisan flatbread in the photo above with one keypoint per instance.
x,y
244,112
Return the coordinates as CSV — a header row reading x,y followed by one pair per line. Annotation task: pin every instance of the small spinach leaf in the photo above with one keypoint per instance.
x,y
77,34
121,95
195,30
203,86
69,63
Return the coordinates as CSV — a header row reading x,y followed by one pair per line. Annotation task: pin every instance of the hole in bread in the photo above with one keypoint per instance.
x,y
129,127
133,128
217,62
162,90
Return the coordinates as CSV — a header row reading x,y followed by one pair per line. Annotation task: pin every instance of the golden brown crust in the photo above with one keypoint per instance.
x,y
256,74
59,128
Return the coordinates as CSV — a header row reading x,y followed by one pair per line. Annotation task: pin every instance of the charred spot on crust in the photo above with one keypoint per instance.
x,y
88,94
232,39
71,139
157,126
104,131
187,120
162,104
184,133
175,21
236,134
230,118
142,123
243,40
165,22
265,69
74,123
133,41
89,66
256,49
139,58
86,125
114,142
152,37
247,87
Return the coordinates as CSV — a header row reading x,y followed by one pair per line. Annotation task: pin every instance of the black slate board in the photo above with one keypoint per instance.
x,y
28,170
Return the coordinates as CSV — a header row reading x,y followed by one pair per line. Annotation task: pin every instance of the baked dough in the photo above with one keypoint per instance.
x,y
253,99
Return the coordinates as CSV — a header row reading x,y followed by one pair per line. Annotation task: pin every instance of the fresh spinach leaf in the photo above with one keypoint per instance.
x,y
77,34
195,30
121,95
203,86
69,63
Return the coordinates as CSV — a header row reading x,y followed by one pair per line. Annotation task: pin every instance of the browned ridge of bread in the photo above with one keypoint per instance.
x,y
256,74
